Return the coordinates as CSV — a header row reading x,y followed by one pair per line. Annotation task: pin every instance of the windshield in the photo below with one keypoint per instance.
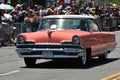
x,y
82,24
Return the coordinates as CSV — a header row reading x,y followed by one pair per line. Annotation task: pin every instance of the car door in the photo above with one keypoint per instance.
x,y
95,38
108,40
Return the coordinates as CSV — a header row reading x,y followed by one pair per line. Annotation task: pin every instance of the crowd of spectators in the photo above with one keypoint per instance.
x,y
30,16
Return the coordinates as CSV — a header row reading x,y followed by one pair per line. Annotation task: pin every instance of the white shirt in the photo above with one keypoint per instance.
x,y
8,17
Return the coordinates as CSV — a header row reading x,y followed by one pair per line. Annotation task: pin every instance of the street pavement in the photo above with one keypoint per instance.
x,y
13,68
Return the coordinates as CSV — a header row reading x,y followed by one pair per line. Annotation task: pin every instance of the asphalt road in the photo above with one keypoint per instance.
x,y
13,68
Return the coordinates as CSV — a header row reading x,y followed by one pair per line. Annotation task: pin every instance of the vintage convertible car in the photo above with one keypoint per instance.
x,y
65,37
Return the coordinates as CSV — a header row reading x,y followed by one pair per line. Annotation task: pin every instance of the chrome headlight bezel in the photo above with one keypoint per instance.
x,y
76,40
20,40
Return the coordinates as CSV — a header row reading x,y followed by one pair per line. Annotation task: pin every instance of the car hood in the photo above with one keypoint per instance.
x,y
53,36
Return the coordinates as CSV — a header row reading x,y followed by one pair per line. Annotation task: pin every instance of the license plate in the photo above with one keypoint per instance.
x,y
47,54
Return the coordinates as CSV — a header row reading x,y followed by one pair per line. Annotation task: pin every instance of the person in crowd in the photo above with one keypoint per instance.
x,y
29,19
6,16
1,14
36,19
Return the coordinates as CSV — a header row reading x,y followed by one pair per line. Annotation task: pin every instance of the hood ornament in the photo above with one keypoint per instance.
x,y
52,29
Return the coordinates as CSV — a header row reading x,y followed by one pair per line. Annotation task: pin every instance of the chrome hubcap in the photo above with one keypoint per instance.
x,y
84,59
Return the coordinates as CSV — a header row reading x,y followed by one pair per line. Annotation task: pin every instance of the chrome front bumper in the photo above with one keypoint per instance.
x,y
50,52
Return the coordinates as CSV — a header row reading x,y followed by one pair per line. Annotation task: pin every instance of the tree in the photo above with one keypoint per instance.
x,y
40,2
114,1
14,2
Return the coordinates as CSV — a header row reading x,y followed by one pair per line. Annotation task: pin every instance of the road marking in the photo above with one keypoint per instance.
x,y
113,77
11,72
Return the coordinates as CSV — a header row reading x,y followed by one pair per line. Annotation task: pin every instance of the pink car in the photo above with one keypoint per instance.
x,y
65,37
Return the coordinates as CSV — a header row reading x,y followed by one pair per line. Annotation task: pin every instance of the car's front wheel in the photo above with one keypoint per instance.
x,y
83,59
30,62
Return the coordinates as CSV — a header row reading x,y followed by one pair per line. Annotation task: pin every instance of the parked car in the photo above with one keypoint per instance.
x,y
65,37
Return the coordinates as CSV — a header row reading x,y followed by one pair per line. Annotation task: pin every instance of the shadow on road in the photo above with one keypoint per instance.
x,y
70,64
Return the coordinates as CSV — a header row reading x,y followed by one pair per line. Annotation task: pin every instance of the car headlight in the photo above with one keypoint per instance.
x,y
76,40
20,40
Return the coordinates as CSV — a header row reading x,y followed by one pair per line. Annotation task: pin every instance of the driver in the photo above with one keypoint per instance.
x,y
82,26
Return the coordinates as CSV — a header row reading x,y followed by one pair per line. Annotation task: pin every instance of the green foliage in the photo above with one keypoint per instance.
x,y
114,1
41,2
14,2
79,3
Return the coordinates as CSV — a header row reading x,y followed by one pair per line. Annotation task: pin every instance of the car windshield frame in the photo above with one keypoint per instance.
x,y
66,23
